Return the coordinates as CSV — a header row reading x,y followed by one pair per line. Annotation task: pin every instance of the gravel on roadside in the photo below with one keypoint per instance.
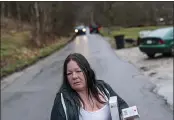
x,y
159,70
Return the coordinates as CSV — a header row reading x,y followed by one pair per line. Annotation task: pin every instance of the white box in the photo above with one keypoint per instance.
x,y
131,112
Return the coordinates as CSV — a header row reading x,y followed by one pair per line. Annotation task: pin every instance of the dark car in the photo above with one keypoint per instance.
x,y
80,30
158,41
94,28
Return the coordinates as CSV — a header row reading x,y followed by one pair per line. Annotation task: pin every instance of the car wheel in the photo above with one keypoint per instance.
x,y
151,55
167,54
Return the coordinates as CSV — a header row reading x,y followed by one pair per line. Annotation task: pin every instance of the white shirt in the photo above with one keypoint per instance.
x,y
102,114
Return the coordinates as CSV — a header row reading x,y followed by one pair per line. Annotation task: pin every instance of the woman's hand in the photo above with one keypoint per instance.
x,y
128,118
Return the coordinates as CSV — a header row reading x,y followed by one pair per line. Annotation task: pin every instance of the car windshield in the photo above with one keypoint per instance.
x,y
160,32
80,27
94,25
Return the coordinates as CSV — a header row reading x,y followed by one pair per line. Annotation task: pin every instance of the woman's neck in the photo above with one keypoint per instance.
x,y
84,95
90,103
87,100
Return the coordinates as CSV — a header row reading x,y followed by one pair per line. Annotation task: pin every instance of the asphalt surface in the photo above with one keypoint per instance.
x,y
31,96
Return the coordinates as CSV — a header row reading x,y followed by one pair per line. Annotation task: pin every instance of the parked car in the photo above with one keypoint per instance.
x,y
158,41
142,34
94,28
80,30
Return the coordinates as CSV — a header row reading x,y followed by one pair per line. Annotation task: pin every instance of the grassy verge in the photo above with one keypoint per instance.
x,y
16,54
127,32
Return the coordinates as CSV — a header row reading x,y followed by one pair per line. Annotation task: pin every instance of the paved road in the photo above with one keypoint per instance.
x,y
31,96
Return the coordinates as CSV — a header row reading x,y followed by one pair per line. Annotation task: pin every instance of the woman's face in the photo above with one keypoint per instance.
x,y
75,76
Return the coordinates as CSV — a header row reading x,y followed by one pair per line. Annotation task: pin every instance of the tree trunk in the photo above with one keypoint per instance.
x,y
92,17
19,16
37,37
2,10
9,10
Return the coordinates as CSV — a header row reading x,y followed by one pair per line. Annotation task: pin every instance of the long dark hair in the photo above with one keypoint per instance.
x,y
89,75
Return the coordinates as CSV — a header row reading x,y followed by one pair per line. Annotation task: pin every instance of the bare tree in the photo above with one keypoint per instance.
x,y
37,35
58,18
2,10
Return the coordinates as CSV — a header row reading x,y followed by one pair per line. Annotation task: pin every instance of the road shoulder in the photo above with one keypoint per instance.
x,y
159,71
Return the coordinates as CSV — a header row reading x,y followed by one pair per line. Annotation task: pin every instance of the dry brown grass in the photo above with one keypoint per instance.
x,y
17,50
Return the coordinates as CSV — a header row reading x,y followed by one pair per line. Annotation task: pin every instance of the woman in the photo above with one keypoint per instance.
x,y
81,96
